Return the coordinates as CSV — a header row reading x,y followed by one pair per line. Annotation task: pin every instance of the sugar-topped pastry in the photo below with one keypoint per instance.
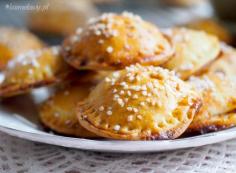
x,y
139,103
58,112
194,50
15,41
218,93
113,41
32,69
220,80
217,88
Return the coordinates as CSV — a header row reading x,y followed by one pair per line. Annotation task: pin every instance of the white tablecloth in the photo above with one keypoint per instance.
x,y
21,156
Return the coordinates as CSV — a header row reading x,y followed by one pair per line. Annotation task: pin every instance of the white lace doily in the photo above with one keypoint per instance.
x,y
21,156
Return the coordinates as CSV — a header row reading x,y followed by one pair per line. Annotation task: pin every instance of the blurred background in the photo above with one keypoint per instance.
x,y
52,20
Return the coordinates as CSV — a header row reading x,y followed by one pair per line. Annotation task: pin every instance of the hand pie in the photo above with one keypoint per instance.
x,y
33,69
58,112
218,93
194,50
13,42
218,84
213,27
139,102
218,90
73,13
114,41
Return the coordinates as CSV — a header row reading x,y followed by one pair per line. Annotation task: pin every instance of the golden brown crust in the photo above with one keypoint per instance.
x,y
14,41
58,112
33,69
218,94
193,50
114,41
13,90
218,90
139,103
212,123
169,134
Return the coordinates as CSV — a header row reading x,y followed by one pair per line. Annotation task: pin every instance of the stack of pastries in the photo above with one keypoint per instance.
x,y
121,77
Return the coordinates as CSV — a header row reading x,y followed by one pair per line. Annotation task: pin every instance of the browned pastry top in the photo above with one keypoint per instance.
x,y
139,103
114,41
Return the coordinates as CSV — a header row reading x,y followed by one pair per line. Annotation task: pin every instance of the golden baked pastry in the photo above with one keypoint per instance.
x,y
212,123
194,50
218,90
13,42
218,93
139,103
33,69
114,41
213,27
61,17
58,112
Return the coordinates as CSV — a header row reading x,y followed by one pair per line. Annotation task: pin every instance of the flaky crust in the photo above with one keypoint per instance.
x,y
33,69
212,123
218,90
114,41
218,93
58,112
13,42
193,50
139,103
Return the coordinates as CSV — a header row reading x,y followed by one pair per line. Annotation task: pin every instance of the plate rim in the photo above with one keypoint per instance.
x,y
117,146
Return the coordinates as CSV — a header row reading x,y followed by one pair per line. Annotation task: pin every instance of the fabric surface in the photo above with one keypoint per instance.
x,y
21,156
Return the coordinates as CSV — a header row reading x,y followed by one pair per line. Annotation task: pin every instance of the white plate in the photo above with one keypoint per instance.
x,y
18,117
